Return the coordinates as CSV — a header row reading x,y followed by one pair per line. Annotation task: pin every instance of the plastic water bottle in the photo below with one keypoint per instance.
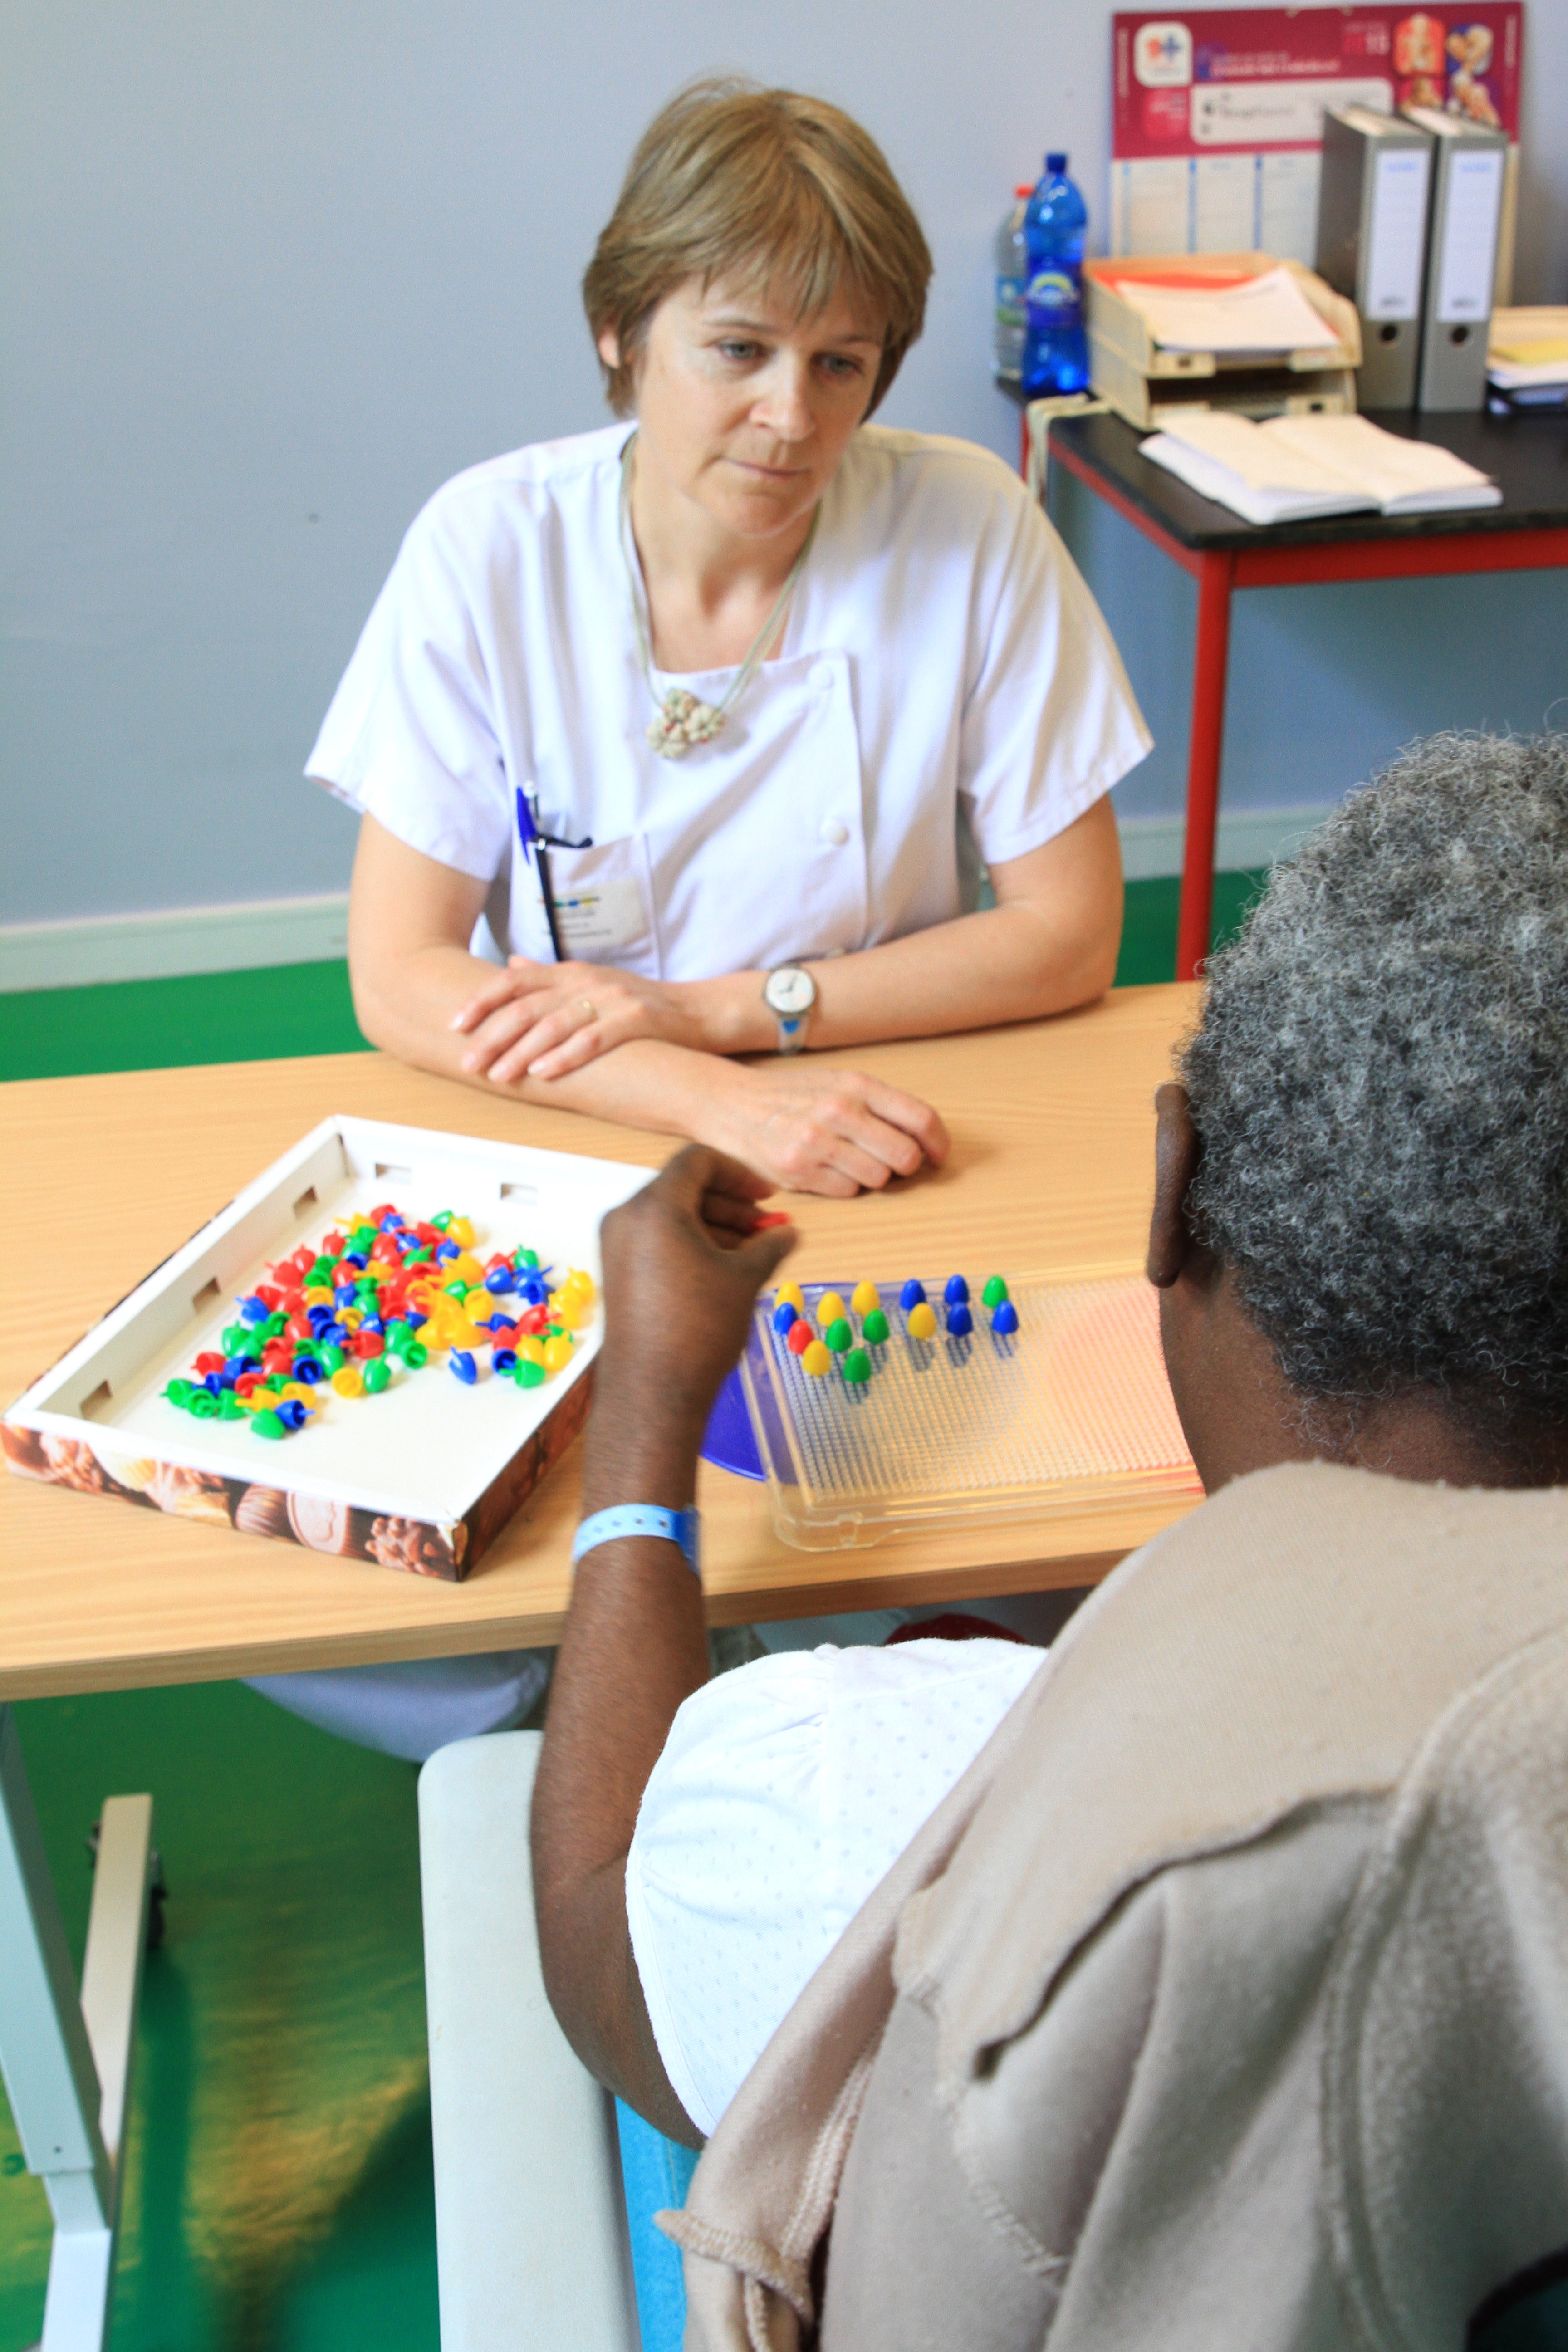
x,y
1011,283
1055,351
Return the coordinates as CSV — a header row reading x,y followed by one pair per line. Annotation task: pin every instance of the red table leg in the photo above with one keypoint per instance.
x,y
1213,646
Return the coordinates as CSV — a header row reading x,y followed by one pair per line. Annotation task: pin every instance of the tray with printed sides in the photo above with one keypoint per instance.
x,y
421,1476
1071,1413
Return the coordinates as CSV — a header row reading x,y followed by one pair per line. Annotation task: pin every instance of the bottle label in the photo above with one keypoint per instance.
x,y
1053,299
1011,296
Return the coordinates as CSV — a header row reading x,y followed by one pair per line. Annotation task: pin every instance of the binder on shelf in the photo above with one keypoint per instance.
x,y
1143,378
1373,205
1469,166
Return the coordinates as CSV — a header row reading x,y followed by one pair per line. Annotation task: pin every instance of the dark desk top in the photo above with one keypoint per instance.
x,y
1527,455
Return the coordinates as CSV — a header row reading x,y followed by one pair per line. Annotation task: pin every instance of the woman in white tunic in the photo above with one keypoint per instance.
x,y
690,740
772,684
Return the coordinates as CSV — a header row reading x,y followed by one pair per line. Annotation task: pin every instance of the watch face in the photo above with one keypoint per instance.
x,y
790,991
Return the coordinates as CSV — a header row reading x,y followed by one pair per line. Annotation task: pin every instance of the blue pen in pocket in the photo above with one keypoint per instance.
x,y
535,842
532,841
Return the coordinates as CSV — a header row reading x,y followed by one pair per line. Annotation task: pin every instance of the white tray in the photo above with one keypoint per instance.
x,y
422,1476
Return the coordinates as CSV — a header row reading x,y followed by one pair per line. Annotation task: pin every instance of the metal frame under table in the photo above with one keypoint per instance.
x,y
1528,455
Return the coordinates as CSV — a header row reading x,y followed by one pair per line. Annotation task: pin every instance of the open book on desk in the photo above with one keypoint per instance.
x,y
1296,468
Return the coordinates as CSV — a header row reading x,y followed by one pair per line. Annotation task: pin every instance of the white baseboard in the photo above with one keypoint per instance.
x,y
315,931
169,944
1249,839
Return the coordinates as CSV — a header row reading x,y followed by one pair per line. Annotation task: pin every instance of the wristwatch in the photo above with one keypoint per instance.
x,y
789,992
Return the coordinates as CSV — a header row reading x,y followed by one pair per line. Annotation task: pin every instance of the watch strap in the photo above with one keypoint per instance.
x,y
639,1520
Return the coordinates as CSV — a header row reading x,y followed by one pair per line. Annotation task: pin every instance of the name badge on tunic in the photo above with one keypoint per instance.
x,y
597,917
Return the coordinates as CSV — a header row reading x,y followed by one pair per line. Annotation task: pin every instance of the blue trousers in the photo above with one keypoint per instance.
x,y
656,2173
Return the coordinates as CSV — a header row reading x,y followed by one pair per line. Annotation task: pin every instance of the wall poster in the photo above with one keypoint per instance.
x,y
1216,120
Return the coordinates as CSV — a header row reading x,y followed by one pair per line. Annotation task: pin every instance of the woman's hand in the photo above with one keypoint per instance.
x,y
541,1020
825,1130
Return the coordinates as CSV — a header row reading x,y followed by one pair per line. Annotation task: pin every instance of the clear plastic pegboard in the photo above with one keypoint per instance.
x,y
1071,1413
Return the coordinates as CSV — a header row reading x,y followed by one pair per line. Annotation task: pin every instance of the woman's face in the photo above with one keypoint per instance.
x,y
746,409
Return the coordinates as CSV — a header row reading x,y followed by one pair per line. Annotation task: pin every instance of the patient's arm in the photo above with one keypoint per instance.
x,y
682,1266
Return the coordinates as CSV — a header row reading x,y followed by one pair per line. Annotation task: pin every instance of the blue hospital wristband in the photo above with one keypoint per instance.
x,y
639,1520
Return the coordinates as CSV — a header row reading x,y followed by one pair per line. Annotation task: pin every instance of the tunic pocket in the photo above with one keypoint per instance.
x,y
603,901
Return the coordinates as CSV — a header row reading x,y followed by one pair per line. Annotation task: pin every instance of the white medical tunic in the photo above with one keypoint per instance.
x,y
945,694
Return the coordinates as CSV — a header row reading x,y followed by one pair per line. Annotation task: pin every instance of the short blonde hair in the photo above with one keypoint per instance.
x,y
769,188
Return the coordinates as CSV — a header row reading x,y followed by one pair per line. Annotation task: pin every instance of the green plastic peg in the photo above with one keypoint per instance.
x,y
874,1329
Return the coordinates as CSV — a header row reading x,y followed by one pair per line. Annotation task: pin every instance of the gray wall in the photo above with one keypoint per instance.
x,y
271,271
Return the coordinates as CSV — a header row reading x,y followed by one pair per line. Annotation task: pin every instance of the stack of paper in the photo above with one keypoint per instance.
x,y
1295,468
1267,314
1527,351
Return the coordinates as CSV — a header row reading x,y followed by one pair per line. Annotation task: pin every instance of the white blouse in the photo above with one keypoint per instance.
x,y
784,1792
944,694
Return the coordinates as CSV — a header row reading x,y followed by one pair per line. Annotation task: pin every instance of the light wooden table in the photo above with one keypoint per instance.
x,y
1052,1168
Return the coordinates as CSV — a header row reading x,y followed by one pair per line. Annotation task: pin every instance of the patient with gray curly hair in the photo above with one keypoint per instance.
x,y
1125,1994
1364,1183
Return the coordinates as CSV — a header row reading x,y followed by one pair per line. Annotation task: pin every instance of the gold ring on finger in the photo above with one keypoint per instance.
x,y
589,1007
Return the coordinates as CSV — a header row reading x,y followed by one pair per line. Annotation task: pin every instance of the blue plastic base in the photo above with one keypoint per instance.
x,y
728,1442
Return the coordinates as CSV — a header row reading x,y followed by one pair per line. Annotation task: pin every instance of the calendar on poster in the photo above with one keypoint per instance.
x,y
1217,124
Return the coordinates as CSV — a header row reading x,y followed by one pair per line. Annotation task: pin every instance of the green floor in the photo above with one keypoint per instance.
x,y
279,2186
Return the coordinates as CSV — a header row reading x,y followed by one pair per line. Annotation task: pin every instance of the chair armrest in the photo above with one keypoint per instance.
x,y
529,2218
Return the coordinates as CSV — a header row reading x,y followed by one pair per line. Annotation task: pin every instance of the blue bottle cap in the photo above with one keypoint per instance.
x,y
1056,163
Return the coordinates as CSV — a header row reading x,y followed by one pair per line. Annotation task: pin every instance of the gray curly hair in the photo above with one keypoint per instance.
x,y
1380,1087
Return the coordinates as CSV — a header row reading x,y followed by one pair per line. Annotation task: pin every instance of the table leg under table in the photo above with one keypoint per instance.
x,y
67,2061
1216,573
